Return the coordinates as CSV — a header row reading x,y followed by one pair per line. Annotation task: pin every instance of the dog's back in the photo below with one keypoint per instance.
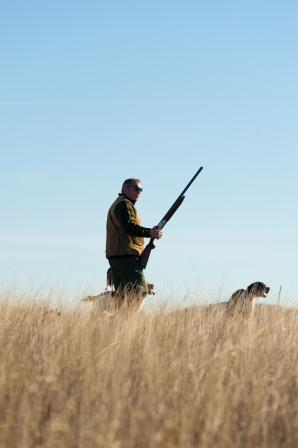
x,y
103,301
238,303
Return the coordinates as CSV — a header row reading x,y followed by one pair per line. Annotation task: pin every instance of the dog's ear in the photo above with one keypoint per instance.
x,y
110,280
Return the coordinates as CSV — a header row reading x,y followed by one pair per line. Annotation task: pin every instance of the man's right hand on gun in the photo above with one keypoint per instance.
x,y
156,233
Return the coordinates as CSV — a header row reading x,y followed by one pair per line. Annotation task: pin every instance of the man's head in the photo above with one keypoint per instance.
x,y
132,188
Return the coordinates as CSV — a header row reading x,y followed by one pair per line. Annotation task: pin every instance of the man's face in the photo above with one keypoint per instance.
x,y
133,190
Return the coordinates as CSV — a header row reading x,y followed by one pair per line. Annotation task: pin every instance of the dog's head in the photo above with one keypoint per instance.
x,y
258,289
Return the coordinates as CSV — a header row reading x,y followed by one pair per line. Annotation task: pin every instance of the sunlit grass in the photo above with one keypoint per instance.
x,y
81,378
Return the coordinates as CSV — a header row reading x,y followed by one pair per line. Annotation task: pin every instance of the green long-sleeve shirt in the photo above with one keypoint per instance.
x,y
126,214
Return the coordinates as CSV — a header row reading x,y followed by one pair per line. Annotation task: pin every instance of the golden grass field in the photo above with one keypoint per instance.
x,y
78,378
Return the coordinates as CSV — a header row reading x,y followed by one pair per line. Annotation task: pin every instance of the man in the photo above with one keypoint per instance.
x,y
125,242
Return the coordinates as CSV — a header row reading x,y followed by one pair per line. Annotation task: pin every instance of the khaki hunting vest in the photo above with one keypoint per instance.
x,y
118,241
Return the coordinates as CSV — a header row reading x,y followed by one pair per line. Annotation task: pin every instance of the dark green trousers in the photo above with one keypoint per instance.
x,y
128,277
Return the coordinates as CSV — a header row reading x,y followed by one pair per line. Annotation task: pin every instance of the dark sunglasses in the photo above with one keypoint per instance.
x,y
138,189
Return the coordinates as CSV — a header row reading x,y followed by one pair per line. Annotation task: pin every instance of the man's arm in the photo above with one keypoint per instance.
x,y
126,215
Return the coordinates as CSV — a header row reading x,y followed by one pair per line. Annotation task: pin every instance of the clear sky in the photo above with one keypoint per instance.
x,y
94,92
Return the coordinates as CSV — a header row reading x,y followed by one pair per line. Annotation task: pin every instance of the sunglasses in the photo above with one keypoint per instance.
x,y
137,189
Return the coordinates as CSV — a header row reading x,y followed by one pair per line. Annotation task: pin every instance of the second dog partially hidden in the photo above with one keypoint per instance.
x,y
242,302
110,299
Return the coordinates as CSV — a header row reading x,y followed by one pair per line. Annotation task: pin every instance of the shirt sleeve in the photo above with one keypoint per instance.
x,y
126,215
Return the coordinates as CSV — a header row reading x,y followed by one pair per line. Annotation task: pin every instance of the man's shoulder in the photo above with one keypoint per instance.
x,y
119,200
123,201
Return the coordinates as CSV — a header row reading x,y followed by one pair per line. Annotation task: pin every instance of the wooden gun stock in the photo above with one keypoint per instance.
x,y
144,257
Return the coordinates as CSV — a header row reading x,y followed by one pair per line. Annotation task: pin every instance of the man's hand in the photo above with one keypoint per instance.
x,y
156,233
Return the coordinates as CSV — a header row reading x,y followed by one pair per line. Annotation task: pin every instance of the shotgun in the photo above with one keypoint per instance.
x,y
144,257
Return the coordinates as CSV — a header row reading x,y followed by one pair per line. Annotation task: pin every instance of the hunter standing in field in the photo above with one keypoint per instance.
x,y
125,242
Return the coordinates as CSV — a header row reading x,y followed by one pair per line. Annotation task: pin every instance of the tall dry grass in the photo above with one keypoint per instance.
x,y
186,379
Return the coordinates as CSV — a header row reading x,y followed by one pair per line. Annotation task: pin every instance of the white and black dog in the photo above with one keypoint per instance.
x,y
242,301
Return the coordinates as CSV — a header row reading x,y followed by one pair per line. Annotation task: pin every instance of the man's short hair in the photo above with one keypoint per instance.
x,y
129,181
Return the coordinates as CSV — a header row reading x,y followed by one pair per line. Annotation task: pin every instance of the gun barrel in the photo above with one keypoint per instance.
x,y
191,181
144,257
171,212
177,203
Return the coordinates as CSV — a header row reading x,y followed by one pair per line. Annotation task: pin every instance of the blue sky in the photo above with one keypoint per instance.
x,y
94,92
